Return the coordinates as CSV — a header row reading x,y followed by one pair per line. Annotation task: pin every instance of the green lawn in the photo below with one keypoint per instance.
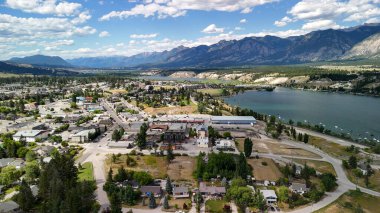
x,y
87,172
212,92
215,206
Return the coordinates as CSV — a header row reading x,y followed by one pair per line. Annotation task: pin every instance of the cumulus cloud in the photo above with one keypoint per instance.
x,y
175,8
143,36
104,34
353,10
212,28
320,25
283,22
243,21
59,8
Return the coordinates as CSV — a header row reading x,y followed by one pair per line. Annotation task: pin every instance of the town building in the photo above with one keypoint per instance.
x,y
181,192
30,135
211,190
299,188
233,120
177,132
147,190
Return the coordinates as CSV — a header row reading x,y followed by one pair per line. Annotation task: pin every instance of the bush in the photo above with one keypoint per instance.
x,y
264,163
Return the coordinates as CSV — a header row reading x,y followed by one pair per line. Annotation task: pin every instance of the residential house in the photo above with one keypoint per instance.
x,y
30,135
269,195
211,190
82,136
44,150
9,207
181,192
363,168
299,188
146,190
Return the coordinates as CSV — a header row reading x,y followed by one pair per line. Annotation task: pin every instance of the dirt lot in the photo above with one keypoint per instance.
x,y
269,146
262,172
330,148
181,168
192,108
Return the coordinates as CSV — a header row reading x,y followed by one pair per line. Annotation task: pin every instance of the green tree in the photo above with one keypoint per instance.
x,y
283,194
328,181
152,201
115,201
352,161
30,156
32,171
168,187
141,136
9,174
306,138
248,145
166,202
25,197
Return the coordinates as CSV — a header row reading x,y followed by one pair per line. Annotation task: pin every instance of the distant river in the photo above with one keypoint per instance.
x,y
357,115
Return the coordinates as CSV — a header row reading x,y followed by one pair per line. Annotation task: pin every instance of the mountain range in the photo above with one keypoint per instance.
x,y
323,45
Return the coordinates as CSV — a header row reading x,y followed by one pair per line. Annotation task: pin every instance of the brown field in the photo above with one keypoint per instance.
x,y
268,172
374,180
179,202
118,91
320,166
267,146
156,166
350,200
181,168
192,108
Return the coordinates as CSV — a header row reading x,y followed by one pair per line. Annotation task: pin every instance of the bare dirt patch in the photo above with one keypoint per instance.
x,y
263,172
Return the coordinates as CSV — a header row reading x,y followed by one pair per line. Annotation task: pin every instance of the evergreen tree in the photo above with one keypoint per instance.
x,y
248,145
306,138
152,201
109,176
25,197
170,155
115,203
166,202
169,186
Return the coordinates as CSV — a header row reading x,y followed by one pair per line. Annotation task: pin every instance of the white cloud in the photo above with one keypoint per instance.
x,y
104,34
82,18
176,8
238,28
212,28
320,25
243,21
283,22
144,36
60,8
353,10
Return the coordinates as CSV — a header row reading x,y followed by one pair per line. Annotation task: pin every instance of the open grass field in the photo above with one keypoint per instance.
x,y
352,201
330,148
374,180
212,92
269,146
118,91
320,166
215,206
262,172
181,168
87,172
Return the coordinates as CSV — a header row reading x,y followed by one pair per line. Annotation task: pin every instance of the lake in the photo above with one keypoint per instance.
x,y
357,115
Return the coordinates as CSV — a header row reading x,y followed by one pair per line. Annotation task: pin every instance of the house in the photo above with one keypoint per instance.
x,y
269,195
202,131
224,144
181,192
298,170
211,190
47,159
363,168
18,163
9,206
299,188
44,150
159,127
146,190
30,135
233,120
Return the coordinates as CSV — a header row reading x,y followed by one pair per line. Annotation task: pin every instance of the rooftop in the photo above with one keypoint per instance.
x,y
28,133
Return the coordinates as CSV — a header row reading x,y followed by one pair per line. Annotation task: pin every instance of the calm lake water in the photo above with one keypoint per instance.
x,y
357,115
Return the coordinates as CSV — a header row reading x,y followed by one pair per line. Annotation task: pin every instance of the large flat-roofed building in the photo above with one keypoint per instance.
x,y
30,135
233,120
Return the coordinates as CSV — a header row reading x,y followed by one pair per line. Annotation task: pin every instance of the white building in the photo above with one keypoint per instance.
x,y
82,136
224,144
203,142
269,195
30,135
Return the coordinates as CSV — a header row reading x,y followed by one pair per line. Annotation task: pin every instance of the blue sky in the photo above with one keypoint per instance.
x,y
72,28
